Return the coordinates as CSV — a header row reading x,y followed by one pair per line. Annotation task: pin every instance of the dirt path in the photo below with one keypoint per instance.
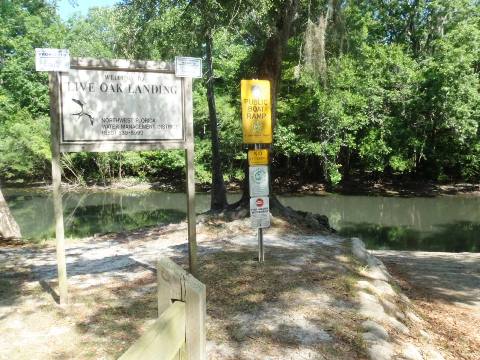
x,y
445,288
301,303
298,305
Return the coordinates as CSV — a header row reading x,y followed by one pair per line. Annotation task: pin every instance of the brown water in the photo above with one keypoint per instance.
x,y
447,223
444,223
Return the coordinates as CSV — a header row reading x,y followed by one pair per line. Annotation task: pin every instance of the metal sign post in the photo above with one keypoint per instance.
x,y
261,253
257,130
261,256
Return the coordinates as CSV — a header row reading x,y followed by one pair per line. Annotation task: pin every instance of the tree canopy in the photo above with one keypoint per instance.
x,y
377,88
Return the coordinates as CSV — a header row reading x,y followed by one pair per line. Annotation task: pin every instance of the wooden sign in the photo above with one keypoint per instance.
x,y
119,105
256,112
258,157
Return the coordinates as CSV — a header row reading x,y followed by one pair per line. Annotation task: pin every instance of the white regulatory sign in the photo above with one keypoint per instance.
x,y
259,212
258,176
188,67
52,60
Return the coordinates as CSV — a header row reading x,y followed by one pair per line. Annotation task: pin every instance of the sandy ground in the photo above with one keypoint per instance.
x,y
298,305
445,289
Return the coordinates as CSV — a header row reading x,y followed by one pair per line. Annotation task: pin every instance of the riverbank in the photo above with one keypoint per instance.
x,y
280,186
302,303
386,188
444,289
399,223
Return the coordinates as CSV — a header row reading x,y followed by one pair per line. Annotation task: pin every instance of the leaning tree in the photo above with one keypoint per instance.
x,y
8,226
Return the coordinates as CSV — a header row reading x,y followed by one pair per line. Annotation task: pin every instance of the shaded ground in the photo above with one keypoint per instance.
x,y
295,306
299,304
407,188
445,288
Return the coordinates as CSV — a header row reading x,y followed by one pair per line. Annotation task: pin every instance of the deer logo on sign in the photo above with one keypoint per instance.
x,y
82,113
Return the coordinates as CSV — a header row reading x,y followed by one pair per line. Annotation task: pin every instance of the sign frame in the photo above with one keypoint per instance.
x,y
186,144
127,145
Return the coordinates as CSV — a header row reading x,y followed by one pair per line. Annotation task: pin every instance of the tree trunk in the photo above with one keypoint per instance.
x,y
218,193
414,37
270,65
8,226
270,68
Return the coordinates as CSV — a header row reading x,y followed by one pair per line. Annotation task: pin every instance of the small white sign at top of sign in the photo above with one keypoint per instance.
x,y
188,67
52,60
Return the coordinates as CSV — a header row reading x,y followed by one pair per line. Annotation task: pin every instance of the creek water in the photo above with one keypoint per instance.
x,y
445,223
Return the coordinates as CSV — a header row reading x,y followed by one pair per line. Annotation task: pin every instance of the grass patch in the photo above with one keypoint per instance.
x,y
250,303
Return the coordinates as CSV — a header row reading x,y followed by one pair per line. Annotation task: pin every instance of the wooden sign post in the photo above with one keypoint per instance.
x,y
120,105
57,191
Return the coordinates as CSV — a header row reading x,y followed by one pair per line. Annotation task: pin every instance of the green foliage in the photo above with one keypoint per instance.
x,y
399,95
203,159
391,102
25,26
24,121
95,35
24,145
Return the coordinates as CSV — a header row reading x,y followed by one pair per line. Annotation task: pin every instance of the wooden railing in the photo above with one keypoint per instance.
x,y
179,331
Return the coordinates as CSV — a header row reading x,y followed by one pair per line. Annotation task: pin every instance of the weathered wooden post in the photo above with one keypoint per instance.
x,y
56,61
57,186
174,283
179,332
189,161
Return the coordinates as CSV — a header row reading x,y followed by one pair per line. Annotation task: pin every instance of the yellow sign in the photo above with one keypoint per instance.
x,y
256,112
258,157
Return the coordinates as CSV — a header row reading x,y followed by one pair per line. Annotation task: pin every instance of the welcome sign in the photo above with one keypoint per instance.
x,y
105,105
125,106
